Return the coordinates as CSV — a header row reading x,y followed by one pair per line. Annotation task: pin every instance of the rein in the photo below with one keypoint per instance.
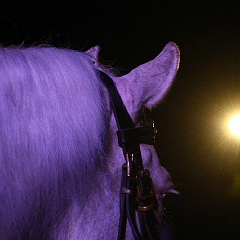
x,y
137,191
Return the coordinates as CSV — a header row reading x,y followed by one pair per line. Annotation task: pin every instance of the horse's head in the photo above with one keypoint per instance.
x,y
144,87
58,179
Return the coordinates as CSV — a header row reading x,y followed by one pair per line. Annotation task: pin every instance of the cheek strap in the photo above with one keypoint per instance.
x,y
137,191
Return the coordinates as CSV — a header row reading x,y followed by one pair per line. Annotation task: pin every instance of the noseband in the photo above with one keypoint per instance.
x,y
137,191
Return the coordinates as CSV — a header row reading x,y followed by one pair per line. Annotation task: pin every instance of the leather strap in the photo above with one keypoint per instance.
x,y
122,117
147,202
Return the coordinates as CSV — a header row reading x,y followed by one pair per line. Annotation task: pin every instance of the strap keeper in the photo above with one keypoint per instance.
x,y
126,191
145,208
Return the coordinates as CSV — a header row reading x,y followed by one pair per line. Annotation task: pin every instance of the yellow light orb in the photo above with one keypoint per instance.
x,y
234,125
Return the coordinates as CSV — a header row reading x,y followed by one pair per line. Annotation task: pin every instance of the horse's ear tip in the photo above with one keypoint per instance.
x,y
172,45
96,49
173,52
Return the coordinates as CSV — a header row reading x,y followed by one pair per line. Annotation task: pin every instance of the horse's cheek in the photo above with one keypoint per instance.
x,y
158,173
149,157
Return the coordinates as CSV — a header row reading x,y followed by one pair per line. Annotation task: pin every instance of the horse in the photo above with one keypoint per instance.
x,y
60,162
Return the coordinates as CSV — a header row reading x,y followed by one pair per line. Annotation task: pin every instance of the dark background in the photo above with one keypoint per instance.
x,y
194,142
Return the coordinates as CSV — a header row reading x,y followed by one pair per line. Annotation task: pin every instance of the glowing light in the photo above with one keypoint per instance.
x,y
234,125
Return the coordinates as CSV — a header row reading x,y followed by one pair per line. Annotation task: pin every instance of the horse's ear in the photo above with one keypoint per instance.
x,y
150,82
93,53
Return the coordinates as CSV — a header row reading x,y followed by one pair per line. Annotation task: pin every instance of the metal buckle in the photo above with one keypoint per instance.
x,y
128,165
138,135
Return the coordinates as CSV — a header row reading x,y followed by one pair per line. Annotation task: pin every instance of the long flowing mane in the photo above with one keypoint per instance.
x,y
49,146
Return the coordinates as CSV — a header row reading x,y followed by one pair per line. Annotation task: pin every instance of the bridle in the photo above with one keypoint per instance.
x,y
137,191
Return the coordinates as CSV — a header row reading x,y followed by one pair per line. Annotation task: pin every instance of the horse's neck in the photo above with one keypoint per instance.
x,y
94,218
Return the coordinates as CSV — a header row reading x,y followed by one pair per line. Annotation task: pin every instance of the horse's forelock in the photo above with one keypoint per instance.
x,y
52,128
